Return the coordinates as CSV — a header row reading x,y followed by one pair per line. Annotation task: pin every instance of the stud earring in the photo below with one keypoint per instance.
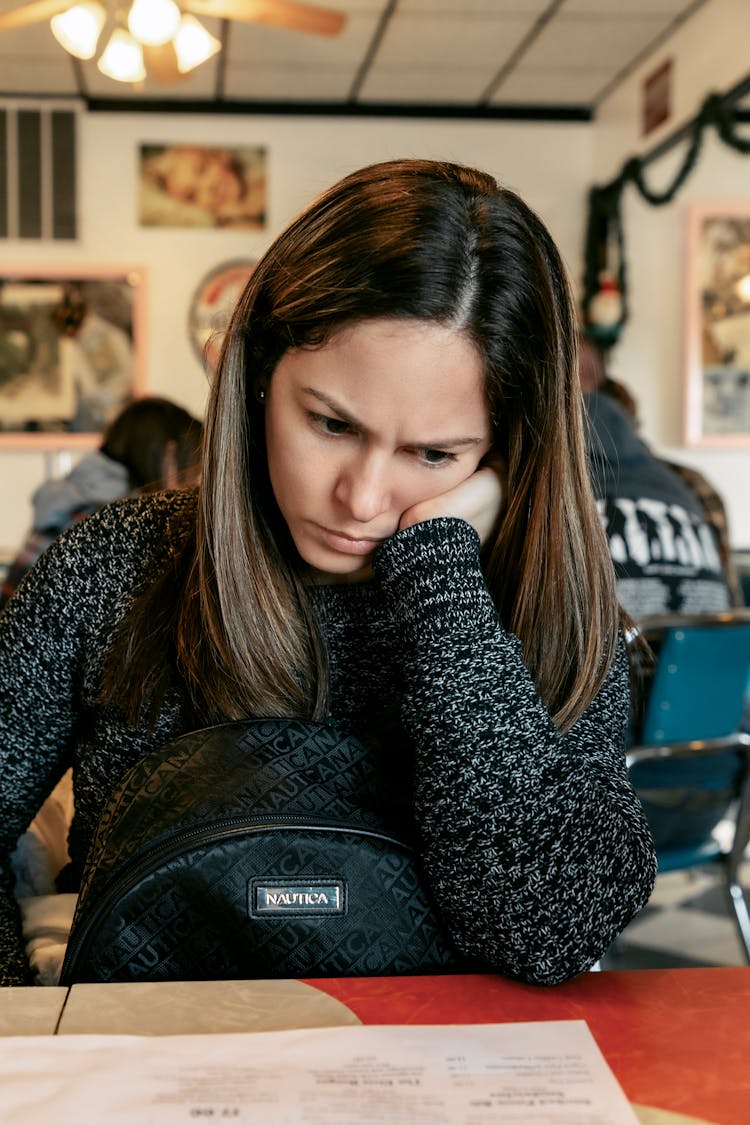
x,y
260,394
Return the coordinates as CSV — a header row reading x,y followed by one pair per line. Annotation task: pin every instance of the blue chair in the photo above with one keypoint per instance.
x,y
691,740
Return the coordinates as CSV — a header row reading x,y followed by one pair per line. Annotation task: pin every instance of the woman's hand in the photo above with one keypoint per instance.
x,y
478,500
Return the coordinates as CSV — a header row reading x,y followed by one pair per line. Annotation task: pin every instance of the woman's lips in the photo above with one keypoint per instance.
x,y
348,544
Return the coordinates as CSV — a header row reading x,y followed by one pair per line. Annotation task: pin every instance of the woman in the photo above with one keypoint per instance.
x,y
153,443
394,528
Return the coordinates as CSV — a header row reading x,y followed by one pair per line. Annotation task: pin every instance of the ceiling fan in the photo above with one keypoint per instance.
x,y
160,38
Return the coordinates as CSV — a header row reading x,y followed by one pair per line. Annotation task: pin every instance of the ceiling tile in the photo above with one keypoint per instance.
x,y
254,43
625,9
609,42
30,75
425,85
450,41
297,83
530,85
33,62
439,8
200,84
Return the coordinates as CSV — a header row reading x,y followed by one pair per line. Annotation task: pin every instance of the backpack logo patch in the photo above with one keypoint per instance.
x,y
287,896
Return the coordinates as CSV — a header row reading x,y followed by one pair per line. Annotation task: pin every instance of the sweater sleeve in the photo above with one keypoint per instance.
x,y
533,841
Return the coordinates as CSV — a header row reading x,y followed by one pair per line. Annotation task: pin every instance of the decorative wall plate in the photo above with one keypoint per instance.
x,y
212,305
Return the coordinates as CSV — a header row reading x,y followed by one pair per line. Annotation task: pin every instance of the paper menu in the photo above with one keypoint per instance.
x,y
542,1073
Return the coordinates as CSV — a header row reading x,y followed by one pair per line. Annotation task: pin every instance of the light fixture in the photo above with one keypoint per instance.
x,y
743,288
122,58
78,29
193,44
153,21
158,35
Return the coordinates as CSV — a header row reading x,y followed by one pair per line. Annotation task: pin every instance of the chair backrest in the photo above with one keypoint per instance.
x,y
701,676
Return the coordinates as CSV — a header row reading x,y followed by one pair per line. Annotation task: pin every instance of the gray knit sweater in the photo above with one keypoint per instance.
x,y
533,842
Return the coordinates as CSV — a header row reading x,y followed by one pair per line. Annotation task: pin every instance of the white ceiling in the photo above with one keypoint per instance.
x,y
541,57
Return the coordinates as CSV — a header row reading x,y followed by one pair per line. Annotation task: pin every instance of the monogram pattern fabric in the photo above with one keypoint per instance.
x,y
168,891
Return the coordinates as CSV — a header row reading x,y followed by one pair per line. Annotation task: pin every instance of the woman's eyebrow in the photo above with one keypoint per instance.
x,y
345,416
334,406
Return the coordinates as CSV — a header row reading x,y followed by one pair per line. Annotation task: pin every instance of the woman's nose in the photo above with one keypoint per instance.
x,y
363,488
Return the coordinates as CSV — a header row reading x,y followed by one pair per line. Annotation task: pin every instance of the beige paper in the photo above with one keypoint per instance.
x,y
545,1073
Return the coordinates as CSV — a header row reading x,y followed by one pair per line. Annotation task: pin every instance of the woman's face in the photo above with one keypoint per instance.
x,y
387,414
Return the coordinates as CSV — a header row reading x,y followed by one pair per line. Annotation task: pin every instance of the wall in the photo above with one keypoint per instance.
x,y
549,164
709,53
552,165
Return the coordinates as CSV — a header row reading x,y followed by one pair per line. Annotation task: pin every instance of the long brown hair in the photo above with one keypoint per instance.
x,y
412,238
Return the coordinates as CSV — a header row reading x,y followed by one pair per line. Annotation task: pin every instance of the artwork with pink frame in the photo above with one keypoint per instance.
x,y
717,339
71,352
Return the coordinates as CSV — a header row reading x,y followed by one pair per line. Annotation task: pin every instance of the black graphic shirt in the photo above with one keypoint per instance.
x,y
665,552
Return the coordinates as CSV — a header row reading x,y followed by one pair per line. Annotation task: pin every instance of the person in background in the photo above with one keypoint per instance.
x,y
394,530
151,444
712,505
668,558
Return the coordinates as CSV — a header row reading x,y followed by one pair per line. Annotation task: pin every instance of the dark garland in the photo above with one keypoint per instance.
x,y
605,207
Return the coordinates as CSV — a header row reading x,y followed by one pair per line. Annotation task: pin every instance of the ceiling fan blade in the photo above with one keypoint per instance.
x,y
161,63
277,13
35,12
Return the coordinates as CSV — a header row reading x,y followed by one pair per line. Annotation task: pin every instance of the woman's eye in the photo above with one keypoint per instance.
x,y
436,456
330,425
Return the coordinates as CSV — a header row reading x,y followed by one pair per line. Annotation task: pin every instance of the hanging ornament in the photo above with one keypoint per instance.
x,y
605,310
605,307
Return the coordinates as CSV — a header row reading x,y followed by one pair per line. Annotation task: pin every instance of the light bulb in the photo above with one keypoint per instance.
x,y
78,29
153,21
123,58
193,44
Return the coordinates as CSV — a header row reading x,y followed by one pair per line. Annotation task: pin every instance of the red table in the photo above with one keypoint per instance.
x,y
676,1039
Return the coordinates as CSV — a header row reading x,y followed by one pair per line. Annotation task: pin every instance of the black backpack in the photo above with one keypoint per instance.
x,y
255,849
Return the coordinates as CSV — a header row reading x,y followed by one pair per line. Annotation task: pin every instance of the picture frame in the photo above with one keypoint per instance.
x,y
203,186
72,342
717,325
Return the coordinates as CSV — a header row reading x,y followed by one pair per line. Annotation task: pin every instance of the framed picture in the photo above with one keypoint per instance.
x,y
71,352
717,344
202,186
212,306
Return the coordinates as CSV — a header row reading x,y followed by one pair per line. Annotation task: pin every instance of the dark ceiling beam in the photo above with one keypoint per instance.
x,y
512,61
510,112
79,77
374,46
221,62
